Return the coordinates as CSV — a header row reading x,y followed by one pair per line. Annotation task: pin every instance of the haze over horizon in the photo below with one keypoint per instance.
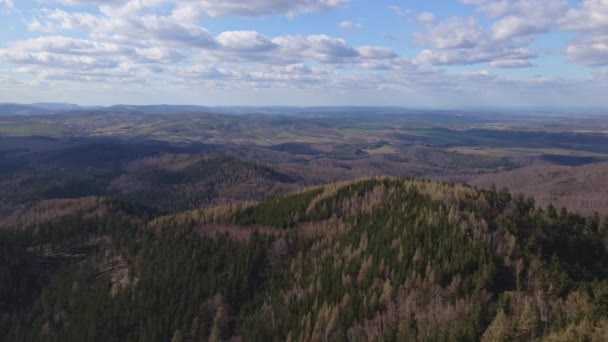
x,y
466,53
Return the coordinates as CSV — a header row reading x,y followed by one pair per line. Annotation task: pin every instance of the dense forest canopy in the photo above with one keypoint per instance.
x,y
374,259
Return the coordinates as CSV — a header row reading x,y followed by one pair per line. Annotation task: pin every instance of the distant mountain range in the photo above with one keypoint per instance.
x,y
13,109
42,108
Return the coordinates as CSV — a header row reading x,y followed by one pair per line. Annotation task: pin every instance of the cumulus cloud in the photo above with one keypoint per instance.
x,y
85,2
220,8
591,16
320,48
245,41
123,27
453,33
592,50
52,60
590,20
513,27
59,20
463,41
526,17
70,46
158,55
498,58
374,52
521,17
145,41
148,43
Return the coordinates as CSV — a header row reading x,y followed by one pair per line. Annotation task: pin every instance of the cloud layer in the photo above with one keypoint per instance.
x,y
161,43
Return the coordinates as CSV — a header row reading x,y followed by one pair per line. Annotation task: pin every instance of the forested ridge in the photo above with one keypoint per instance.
x,y
370,260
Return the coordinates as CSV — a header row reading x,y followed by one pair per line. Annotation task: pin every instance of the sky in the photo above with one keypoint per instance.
x,y
415,53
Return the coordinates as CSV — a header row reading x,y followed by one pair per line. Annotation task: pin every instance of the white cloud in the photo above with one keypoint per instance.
x,y
511,63
159,44
527,17
592,50
220,8
349,25
70,46
453,33
191,11
463,41
426,18
7,3
83,2
590,20
374,52
468,57
125,27
151,47
53,60
60,20
319,48
523,18
245,41
591,16
158,55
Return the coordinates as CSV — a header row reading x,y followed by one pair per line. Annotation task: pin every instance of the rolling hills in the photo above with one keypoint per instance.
x,y
581,188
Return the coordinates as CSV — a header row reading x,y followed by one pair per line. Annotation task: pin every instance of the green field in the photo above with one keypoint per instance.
x,y
29,129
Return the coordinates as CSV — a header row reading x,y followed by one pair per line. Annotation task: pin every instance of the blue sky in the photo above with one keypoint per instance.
x,y
429,53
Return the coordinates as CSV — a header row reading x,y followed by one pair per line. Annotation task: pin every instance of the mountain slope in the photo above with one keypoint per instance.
x,y
375,259
581,188
173,182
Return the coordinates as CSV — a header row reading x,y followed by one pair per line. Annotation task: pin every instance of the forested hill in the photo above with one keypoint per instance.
x,y
372,260
577,187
